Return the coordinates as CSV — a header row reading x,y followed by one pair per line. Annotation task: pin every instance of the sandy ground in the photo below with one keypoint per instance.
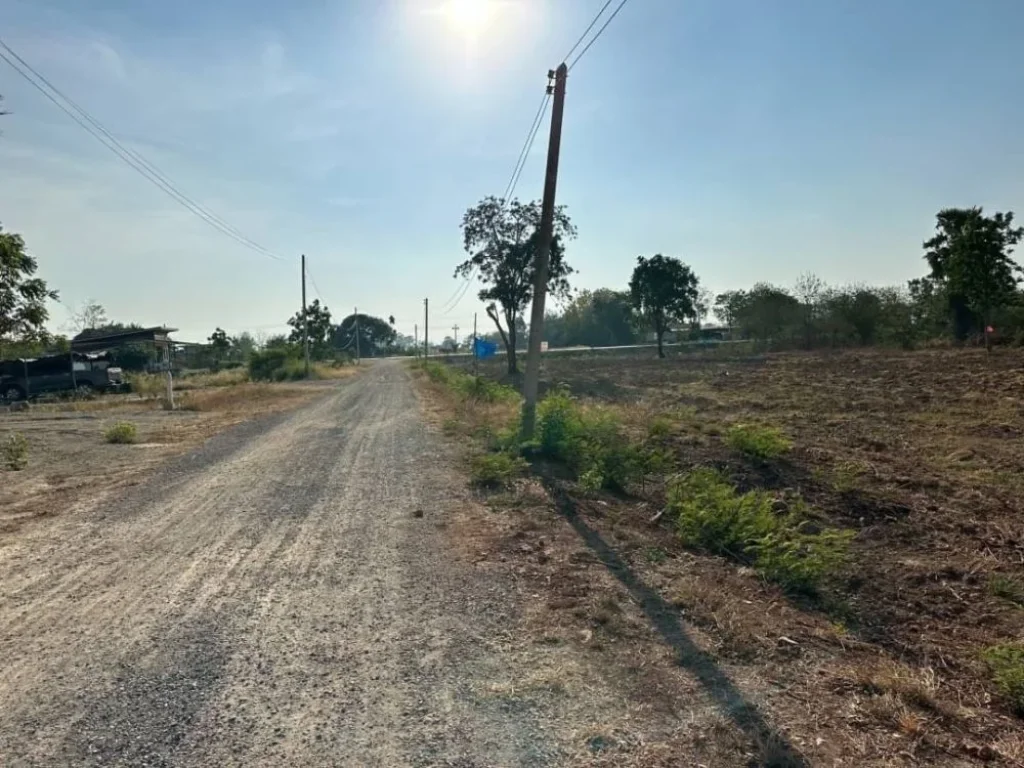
x,y
283,596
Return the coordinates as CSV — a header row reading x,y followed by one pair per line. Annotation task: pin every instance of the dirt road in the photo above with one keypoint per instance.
x,y
270,599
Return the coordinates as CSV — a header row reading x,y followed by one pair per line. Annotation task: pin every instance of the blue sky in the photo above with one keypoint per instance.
x,y
754,139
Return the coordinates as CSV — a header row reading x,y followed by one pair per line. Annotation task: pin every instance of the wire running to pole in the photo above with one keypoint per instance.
x,y
587,30
316,288
510,188
132,158
599,32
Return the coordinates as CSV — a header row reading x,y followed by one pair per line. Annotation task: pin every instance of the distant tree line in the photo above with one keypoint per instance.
x,y
971,292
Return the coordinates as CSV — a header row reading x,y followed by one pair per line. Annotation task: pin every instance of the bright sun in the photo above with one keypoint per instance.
x,y
469,17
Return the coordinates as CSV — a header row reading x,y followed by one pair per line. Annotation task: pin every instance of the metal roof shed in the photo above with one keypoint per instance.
x,y
158,336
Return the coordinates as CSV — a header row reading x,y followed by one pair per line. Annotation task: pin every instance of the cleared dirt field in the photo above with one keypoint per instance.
x,y
68,459
919,454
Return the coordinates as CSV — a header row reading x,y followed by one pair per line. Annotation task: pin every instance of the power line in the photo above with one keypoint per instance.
x,y
510,188
599,32
316,288
587,30
132,158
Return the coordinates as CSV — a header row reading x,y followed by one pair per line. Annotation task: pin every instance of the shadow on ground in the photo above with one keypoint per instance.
x,y
776,751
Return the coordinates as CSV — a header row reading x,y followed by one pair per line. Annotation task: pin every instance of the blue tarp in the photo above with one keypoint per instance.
x,y
484,349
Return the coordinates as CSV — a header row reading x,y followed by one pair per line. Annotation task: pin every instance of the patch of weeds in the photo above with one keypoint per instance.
x,y
1006,663
1007,588
712,515
496,470
15,452
660,428
466,386
758,442
593,443
656,555
450,427
846,477
123,432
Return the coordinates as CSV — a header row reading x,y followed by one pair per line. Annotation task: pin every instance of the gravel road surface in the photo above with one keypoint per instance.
x,y
272,599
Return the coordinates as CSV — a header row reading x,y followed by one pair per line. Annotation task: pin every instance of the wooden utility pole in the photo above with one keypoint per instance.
x,y
356,316
426,328
305,317
540,278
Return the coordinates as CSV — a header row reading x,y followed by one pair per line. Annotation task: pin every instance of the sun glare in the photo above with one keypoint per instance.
x,y
469,18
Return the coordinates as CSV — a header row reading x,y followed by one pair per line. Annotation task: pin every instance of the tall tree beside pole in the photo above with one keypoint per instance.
x,y
305,317
547,223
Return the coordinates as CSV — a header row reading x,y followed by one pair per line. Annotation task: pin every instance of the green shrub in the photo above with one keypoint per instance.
x,y
466,386
121,432
758,442
712,515
1007,588
591,441
1006,663
491,470
277,364
16,452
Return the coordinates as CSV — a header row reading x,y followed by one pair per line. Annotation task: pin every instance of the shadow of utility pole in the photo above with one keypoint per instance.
x,y
776,749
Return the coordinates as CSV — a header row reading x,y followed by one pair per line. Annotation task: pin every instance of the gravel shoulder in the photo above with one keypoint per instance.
x,y
287,594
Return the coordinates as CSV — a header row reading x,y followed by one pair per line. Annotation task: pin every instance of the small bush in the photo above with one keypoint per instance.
x,y
590,440
1006,663
712,515
758,442
491,470
123,432
1007,588
276,364
16,452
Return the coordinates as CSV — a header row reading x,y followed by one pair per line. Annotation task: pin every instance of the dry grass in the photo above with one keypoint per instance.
x,y
225,378
246,397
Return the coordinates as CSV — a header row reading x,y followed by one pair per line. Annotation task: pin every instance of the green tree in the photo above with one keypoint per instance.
x,y
23,297
243,345
221,344
501,239
376,335
320,329
970,256
729,306
601,318
664,291
768,312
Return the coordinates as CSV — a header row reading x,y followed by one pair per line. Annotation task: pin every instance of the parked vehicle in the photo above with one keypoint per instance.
x,y
54,374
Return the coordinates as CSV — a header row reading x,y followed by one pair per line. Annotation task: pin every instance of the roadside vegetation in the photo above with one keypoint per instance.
x,y
15,452
121,433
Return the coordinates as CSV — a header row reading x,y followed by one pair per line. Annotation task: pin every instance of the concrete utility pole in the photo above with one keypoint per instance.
x,y
416,339
305,317
455,330
357,335
474,345
540,280
426,328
